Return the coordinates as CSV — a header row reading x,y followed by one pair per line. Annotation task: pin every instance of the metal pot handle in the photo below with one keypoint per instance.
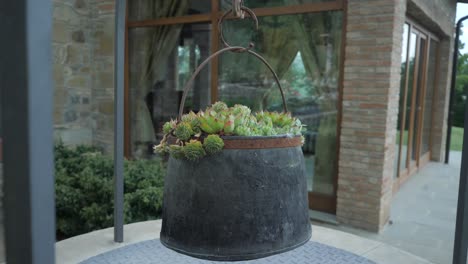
x,y
237,49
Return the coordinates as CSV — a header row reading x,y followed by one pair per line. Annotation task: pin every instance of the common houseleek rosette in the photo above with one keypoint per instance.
x,y
198,135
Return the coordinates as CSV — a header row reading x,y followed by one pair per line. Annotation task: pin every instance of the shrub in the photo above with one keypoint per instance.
x,y
84,190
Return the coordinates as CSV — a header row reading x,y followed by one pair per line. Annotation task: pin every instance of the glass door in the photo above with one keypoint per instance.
x,y
418,78
416,103
308,65
301,40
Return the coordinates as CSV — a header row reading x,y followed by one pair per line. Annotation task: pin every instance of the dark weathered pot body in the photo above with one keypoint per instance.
x,y
243,203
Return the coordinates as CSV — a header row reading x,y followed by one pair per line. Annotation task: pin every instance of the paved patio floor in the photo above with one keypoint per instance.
x,y
423,213
80,248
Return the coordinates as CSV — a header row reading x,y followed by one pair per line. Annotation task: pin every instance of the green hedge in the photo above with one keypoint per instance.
x,y
84,190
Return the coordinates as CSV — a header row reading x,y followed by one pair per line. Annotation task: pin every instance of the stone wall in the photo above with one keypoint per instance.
x,y
102,88
83,46
72,71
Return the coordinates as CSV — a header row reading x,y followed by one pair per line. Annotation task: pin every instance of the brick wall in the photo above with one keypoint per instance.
x,y
370,102
442,95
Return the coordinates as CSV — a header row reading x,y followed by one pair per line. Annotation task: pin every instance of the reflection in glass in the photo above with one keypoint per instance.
x,y
161,60
304,50
427,119
404,54
227,4
409,93
154,9
418,99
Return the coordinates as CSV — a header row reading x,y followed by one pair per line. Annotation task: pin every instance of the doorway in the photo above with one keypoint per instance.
x,y
418,78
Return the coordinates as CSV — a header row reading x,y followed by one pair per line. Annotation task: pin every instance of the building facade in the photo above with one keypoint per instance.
x,y
369,78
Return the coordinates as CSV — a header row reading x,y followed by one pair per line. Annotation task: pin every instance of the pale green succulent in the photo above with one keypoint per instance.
x,y
243,131
241,110
213,144
210,122
219,107
219,119
229,125
194,150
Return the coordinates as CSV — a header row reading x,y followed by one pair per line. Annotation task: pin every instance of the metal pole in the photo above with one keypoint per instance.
x,y
27,101
461,231
452,90
120,11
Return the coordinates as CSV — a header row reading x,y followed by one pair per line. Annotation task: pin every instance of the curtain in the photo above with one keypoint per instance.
x,y
279,48
274,41
319,38
157,44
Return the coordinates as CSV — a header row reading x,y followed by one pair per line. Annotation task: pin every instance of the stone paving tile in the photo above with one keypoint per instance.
x,y
386,255
423,213
153,252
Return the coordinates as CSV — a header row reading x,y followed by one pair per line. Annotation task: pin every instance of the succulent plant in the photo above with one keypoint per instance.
x,y
213,144
169,126
162,148
219,107
183,131
193,150
193,120
210,122
229,125
176,151
243,131
219,119
241,109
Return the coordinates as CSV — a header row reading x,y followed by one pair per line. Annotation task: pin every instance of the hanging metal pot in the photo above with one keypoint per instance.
x,y
247,202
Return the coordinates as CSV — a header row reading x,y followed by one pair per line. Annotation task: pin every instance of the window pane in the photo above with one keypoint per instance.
x,y
226,4
304,50
418,99
161,61
427,121
412,62
404,53
153,9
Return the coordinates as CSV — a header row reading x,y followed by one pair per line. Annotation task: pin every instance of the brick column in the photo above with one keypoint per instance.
x,y
370,110
442,95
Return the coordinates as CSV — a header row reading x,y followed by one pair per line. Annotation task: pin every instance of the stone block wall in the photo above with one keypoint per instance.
x,y
102,89
83,46
72,71
370,99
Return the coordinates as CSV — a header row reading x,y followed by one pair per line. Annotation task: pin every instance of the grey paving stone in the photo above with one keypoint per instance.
x,y
153,252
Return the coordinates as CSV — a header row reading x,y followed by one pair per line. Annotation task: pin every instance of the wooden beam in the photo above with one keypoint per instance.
x,y
266,11
171,21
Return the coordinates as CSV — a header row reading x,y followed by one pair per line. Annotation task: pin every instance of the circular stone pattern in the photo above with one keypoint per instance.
x,y
153,252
